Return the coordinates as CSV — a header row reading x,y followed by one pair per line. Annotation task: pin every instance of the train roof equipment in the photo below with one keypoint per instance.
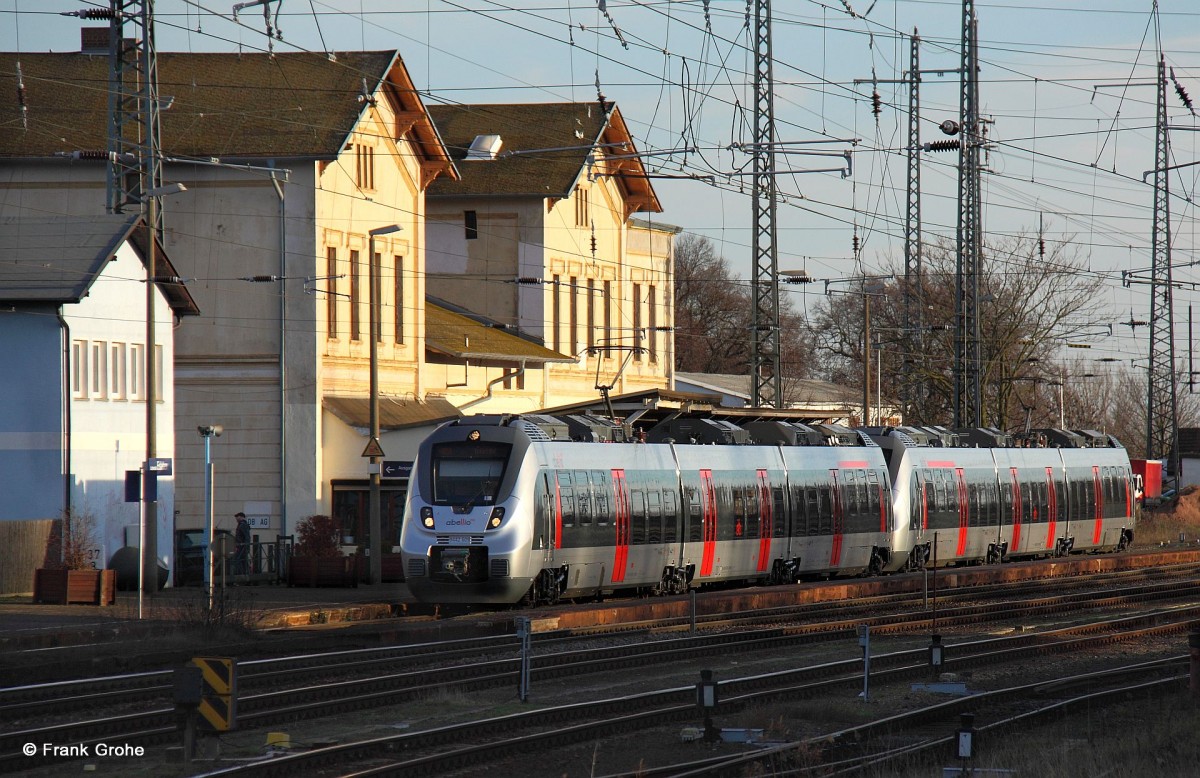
x,y
698,431
542,428
784,433
595,429
984,437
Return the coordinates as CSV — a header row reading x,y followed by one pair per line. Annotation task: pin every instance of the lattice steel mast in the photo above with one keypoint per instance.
x,y
766,387
914,293
1162,430
968,400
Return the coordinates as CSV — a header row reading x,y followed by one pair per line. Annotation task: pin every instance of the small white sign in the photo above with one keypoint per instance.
x,y
259,522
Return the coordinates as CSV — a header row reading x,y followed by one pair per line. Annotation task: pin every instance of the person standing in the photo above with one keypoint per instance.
x,y
241,554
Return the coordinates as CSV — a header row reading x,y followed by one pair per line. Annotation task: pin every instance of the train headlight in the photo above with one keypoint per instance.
x,y
496,518
427,517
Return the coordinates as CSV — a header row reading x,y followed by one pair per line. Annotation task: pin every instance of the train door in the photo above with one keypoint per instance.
x,y
835,548
1016,510
551,511
621,511
1051,508
1098,491
765,521
708,505
964,511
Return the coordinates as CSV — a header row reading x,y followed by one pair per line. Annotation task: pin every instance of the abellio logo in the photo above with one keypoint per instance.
x,y
457,522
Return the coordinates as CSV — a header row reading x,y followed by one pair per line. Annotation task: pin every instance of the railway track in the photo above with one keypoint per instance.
x,y
461,747
267,708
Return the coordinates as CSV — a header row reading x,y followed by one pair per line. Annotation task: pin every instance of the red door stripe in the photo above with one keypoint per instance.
x,y
835,549
557,514
621,507
1099,492
1053,517
1016,512
709,497
964,510
765,520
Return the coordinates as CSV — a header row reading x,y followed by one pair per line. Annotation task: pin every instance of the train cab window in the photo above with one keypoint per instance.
x,y
637,525
670,517
583,497
467,473
654,516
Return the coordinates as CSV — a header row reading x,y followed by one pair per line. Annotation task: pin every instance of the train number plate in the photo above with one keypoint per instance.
x,y
462,540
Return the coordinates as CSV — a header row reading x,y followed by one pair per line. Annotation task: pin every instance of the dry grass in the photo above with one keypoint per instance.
x,y
1172,524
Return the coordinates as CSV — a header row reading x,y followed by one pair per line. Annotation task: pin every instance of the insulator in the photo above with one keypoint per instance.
x,y
942,145
1041,247
529,280
91,14
854,243
261,279
90,155
876,103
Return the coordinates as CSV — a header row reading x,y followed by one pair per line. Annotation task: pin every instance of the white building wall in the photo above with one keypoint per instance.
x,y
108,409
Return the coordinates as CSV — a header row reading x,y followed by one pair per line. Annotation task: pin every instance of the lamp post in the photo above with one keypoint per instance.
x,y
149,523
208,433
375,549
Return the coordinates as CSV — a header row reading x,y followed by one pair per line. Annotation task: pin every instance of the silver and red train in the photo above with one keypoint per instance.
x,y
533,509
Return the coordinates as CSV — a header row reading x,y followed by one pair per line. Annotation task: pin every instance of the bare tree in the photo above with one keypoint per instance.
x,y
714,312
1029,303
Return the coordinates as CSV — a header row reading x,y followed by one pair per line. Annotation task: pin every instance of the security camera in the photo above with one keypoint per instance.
x,y
211,430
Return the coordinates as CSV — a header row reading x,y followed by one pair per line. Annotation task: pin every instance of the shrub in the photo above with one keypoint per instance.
x,y
79,540
317,536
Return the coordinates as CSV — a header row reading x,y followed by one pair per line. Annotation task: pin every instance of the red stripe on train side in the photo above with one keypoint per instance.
x,y
883,506
766,521
557,514
1099,492
835,549
1016,514
1053,508
941,463
852,464
709,525
964,514
621,508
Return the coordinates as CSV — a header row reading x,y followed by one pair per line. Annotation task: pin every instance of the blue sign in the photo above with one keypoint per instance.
x,y
160,465
396,469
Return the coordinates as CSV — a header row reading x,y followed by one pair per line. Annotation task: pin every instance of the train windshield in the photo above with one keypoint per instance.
x,y
468,473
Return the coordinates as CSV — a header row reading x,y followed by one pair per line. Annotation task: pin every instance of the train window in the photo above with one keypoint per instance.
x,y
654,515
467,473
812,510
637,500
583,497
566,498
670,517
695,516
778,511
873,492
601,488
825,503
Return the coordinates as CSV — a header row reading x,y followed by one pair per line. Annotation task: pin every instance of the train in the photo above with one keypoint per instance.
x,y
534,509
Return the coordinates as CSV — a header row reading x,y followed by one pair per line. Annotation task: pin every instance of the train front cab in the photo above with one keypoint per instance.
x,y
466,537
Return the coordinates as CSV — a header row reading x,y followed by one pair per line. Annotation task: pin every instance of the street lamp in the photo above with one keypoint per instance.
x,y
208,433
375,549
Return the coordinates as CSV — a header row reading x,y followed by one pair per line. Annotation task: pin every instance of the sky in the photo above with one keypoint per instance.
x,y
1065,86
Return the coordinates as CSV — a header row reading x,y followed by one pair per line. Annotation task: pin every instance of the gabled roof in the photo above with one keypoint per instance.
x,y
56,260
536,130
461,336
256,106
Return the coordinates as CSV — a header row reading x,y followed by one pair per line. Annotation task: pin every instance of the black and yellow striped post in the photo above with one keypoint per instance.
x,y
218,699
